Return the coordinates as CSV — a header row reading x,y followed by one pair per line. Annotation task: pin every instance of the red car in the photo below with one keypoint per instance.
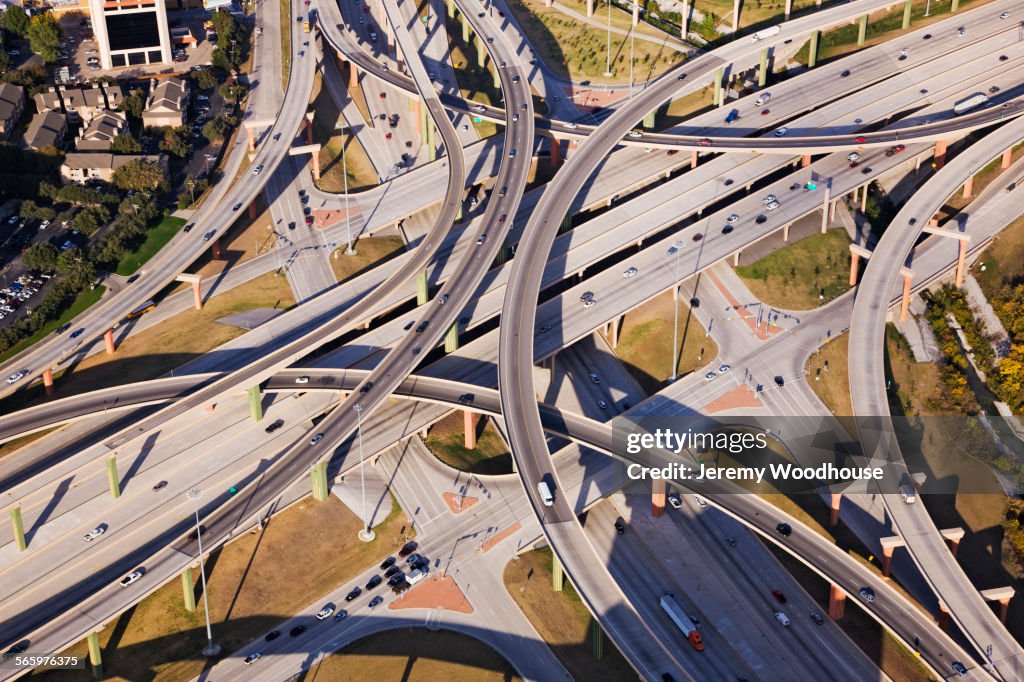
x,y
765,112
309,220
898,148
383,95
704,142
779,597
388,136
860,140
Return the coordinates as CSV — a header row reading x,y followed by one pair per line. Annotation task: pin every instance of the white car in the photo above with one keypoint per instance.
x,y
257,170
769,199
15,378
782,618
772,206
515,117
629,273
302,380
1004,15
724,368
325,613
701,502
94,533
43,225
709,376
781,132
596,379
732,218
131,577
480,109
853,156
961,31
571,126
252,658
589,302
635,133
674,500
763,99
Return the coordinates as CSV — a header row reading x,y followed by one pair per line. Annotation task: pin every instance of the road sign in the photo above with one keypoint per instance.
x,y
477,119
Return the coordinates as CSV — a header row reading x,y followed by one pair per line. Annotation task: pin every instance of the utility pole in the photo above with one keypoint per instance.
x,y
211,649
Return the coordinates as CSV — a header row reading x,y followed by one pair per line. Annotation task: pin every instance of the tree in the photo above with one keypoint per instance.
x,y
44,36
134,102
41,256
90,219
176,141
204,79
226,27
30,209
5,59
125,144
220,60
141,174
233,92
16,21
218,128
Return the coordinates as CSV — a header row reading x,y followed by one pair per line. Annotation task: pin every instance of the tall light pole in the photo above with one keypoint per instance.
x,y
366,534
608,67
211,648
632,34
349,251
675,324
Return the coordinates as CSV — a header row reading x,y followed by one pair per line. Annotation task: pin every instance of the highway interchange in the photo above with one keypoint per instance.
x,y
514,292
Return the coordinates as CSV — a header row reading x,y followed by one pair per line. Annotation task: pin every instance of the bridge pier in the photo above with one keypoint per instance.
x,y
215,248
862,30
889,545
422,293
789,9
451,339
318,478
854,266
812,56
252,210
108,341
255,403
353,75
636,12
785,231
251,136
481,52
188,589
684,20
470,421
969,188
908,277
906,14
113,480
596,639
762,72
1002,595
940,150
18,528
648,122
612,333
590,8
943,616
48,381
735,16
693,159
805,160
556,154
736,258
961,264
1007,159
836,602
557,574
465,25
95,658
657,497
953,537
309,127
833,517
954,6
825,207
719,98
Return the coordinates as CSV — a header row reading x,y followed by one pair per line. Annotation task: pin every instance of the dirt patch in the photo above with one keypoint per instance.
x,y
830,370
447,440
437,592
370,252
496,539
415,655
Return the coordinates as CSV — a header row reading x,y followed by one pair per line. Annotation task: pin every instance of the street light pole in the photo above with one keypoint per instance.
x,y
608,67
349,251
366,534
675,323
632,34
211,648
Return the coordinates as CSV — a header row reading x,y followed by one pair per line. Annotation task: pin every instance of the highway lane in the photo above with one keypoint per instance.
x,y
218,211
927,548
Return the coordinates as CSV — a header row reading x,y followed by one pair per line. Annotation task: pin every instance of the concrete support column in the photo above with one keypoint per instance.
x,y
887,551
862,30
805,160
636,12
648,122
188,590
762,72
1007,158
18,529
421,288
657,497
833,517
1004,607
864,200
812,57
255,403
685,19
736,15
854,265
556,154
557,575
719,99
905,302
590,8
309,127
48,381
95,659
431,143
969,188
789,8
597,638
940,153
470,420
836,603
961,261
613,333
736,258
825,208
251,136
113,480
197,295
693,159
953,537
954,6
353,76
215,248
252,210
108,341
318,478
943,616
451,339
481,53
314,157
465,26
906,14
785,231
